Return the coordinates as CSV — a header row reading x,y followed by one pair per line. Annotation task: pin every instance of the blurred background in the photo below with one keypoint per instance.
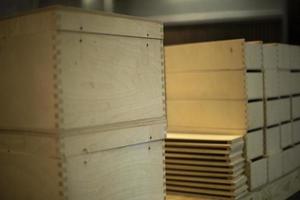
x,y
195,20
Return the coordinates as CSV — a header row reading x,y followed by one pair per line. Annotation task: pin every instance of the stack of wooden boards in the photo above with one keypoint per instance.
x,y
82,107
207,118
206,165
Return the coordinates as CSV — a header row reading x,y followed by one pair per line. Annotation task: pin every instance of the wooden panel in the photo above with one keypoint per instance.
x,y
295,57
106,23
78,142
130,173
27,100
296,131
283,56
25,176
275,165
34,23
296,107
285,83
273,108
289,160
286,135
253,55
197,56
207,116
254,144
295,80
205,85
207,169
258,173
273,140
297,153
205,137
285,109
255,115
115,66
271,81
254,85
270,56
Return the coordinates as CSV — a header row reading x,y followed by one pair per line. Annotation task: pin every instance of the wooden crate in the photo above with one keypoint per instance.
x,y
206,95
275,166
290,160
286,135
294,57
255,115
296,131
83,103
296,107
273,108
295,80
273,141
254,55
257,173
254,85
254,144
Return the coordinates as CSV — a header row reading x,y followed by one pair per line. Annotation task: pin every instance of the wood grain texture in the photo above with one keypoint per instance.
x,y
103,79
133,172
228,55
104,23
27,82
223,85
207,116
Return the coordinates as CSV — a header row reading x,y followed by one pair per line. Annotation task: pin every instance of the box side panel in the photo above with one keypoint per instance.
x,y
254,85
101,23
198,56
27,53
109,79
130,173
253,55
258,173
255,115
273,140
254,145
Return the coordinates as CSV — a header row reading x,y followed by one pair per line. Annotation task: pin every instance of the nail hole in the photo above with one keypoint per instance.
x,y
80,40
147,44
149,148
85,162
81,27
150,137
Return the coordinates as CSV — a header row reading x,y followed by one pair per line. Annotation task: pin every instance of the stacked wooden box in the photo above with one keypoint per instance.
x,y
206,105
254,151
82,107
280,102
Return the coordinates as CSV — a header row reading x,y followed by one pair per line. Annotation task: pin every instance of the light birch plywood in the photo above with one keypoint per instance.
x,y
207,116
133,172
228,55
257,173
273,142
275,166
296,107
255,115
296,131
254,144
254,85
273,108
253,55
192,85
286,135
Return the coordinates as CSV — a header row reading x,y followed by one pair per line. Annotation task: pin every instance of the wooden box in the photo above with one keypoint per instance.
x,y
294,57
286,135
255,115
275,166
273,109
290,160
257,173
276,56
296,131
206,95
254,144
296,107
254,55
82,112
273,143
285,83
285,110
254,85
295,80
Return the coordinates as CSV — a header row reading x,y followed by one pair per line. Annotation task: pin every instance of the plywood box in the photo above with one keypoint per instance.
x,y
257,173
289,160
255,115
285,83
275,166
286,135
285,109
271,81
295,57
254,85
253,55
276,56
296,131
254,144
206,95
273,108
83,101
295,82
296,107
273,143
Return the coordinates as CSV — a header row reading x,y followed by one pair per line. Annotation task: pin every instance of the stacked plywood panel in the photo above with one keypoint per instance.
x,y
254,151
205,165
206,99
82,107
